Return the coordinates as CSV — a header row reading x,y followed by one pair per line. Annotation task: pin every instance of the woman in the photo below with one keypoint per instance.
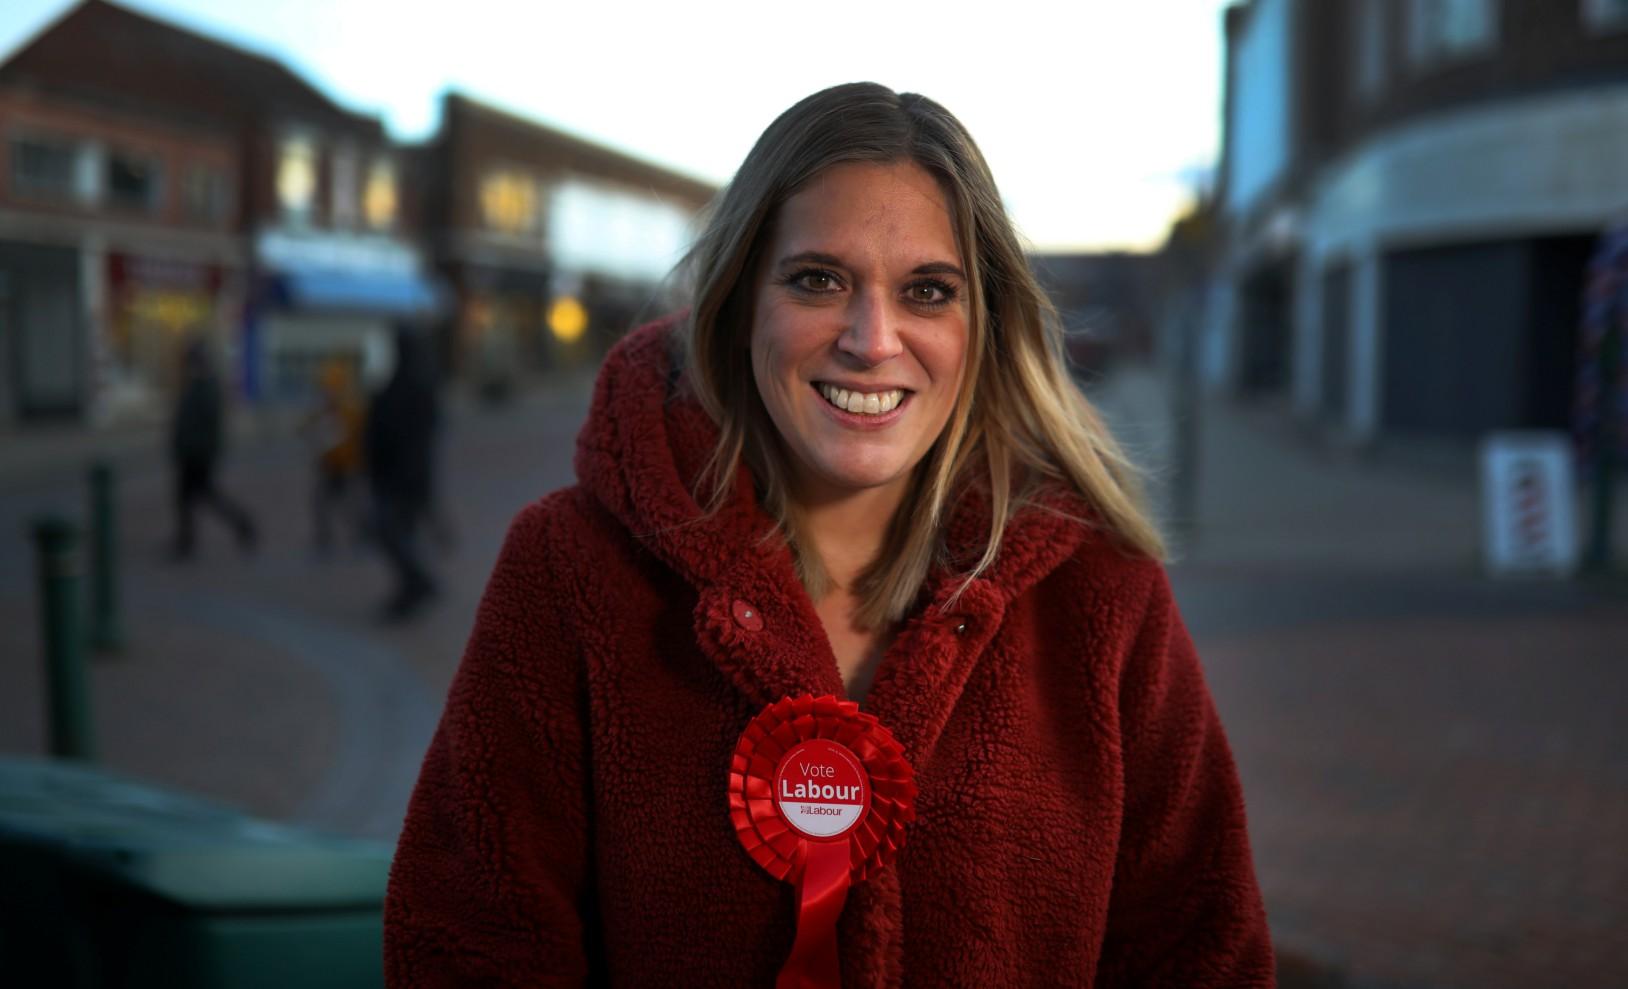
x,y
856,467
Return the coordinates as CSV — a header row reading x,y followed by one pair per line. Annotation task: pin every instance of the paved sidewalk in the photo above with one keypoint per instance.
x,y
266,680
1435,763
1271,498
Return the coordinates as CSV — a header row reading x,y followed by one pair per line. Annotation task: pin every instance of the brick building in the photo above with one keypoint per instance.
x,y
1409,193
117,241
157,185
160,185
552,245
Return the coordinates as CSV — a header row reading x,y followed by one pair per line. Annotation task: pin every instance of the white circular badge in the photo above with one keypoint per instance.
x,y
820,788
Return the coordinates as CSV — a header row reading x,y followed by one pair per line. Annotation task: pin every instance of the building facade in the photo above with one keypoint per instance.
x,y
159,186
1410,191
552,245
117,243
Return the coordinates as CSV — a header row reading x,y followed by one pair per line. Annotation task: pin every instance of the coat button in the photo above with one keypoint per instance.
x,y
747,617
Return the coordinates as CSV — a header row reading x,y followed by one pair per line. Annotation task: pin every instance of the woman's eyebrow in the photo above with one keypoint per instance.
x,y
820,257
939,268
812,257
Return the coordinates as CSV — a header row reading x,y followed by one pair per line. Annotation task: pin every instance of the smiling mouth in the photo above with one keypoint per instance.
x,y
862,403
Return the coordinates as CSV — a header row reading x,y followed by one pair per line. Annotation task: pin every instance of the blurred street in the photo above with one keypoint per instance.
x,y
1436,764
266,680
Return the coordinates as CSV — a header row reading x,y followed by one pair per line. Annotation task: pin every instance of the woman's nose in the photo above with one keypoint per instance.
x,y
872,334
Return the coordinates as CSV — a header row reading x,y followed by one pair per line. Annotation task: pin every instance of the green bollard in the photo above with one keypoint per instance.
x,y
55,542
106,632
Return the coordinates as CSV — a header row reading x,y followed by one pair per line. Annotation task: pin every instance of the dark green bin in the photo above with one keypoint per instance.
x,y
107,882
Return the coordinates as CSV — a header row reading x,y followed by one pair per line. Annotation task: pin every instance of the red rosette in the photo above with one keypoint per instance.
x,y
819,794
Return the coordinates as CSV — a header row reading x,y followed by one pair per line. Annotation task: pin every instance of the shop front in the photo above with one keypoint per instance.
x,y
155,307
42,331
323,299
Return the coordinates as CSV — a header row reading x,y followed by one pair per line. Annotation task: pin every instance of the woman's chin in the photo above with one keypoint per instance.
x,y
849,478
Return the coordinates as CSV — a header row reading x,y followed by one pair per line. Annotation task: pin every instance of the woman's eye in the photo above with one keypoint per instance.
x,y
931,293
814,282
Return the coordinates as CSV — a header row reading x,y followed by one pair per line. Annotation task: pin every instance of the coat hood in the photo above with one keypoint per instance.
x,y
647,441
638,456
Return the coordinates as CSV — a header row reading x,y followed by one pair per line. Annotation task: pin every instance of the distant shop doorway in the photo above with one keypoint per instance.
x,y
42,325
1483,336
1336,343
1454,326
1559,272
155,307
297,346
1265,331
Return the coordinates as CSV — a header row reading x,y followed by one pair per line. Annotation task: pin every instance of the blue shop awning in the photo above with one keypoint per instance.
x,y
386,293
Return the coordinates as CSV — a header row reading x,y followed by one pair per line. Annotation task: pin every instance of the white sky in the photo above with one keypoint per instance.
x,y
1095,115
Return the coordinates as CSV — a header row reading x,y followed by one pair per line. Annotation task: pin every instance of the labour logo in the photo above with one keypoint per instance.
x,y
820,788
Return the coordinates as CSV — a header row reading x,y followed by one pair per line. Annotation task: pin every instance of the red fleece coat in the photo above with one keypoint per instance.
x,y
1079,817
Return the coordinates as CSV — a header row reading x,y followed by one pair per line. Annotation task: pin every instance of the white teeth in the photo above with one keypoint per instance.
x,y
861,403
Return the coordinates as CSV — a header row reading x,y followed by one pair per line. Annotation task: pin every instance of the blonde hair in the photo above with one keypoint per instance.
x,y
1019,426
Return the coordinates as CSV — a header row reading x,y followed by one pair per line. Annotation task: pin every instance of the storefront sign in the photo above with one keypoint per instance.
x,y
1529,497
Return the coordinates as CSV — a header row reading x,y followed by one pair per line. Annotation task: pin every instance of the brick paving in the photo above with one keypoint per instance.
x,y
1439,801
1436,764
265,681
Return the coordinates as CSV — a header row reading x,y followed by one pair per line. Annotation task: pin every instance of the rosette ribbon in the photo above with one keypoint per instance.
x,y
819,794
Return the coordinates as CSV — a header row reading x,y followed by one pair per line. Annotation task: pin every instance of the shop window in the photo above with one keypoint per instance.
x,y
203,193
42,168
1445,30
345,187
379,200
509,202
1602,16
297,179
134,181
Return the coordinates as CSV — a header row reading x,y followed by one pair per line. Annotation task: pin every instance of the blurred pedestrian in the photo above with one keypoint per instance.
x,y
196,444
399,448
333,428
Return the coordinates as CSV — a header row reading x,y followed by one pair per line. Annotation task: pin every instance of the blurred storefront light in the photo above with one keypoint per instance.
x,y
567,319
297,178
379,200
508,201
154,305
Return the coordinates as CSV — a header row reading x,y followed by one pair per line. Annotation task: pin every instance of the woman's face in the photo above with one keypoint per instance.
x,y
859,326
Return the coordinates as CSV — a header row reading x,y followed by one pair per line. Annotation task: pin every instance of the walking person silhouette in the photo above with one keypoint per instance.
x,y
196,443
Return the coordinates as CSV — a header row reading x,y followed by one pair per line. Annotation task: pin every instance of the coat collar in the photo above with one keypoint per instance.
x,y
643,447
